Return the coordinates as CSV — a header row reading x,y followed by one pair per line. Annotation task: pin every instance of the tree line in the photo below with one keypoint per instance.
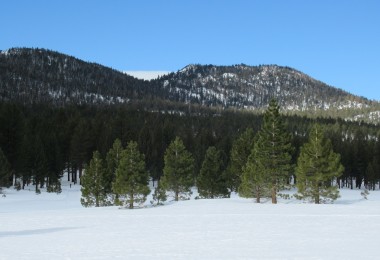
x,y
123,179
39,143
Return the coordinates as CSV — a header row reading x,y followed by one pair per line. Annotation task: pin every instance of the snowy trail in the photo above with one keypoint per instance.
x,y
50,226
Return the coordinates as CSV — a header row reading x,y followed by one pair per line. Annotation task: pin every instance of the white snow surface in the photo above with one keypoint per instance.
x,y
51,226
146,75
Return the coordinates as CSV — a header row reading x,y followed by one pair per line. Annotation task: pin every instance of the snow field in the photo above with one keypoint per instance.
x,y
51,226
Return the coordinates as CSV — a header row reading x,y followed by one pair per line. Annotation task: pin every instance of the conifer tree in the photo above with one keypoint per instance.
x,y
132,179
112,160
93,191
317,167
178,170
273,150
211,182
240,151
254,180
159,194
5,171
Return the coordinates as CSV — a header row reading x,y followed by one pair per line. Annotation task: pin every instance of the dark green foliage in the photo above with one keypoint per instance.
x,y
199,128
113,160
159,194
255,182
241,149
317,168
211,181
93,183
5,171
273,151
132,179
178,170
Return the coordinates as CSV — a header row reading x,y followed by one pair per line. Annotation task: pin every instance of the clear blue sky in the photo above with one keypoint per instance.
x,y
335,41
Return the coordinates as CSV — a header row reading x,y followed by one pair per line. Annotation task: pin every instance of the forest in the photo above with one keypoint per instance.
x,y
39,142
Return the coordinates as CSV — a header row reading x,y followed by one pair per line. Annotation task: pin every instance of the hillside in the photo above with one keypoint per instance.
x,y
33,76
251,88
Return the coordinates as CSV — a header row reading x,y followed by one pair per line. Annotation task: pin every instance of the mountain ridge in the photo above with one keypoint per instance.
x,y
32,76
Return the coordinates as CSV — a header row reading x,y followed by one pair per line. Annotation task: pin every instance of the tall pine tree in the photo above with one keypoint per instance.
x,y
317,168
93,186
254,180
273,150
211,182
132,179
112,160
178,170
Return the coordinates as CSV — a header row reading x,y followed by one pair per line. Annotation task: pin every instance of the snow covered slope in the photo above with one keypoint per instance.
x,y
51,226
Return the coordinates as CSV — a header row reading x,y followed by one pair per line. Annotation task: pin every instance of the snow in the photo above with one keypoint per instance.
x,y
51,226
146,75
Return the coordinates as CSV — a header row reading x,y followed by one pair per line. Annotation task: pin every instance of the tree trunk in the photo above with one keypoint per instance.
x,y
176,196
131,201
80,174
316,199
257,195
274,195
73,175
68,173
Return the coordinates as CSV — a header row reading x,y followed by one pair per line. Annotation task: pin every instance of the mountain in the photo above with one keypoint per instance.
x,y
31,76
252,87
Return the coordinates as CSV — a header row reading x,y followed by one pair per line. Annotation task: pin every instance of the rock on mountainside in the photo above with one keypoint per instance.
x,y
32,76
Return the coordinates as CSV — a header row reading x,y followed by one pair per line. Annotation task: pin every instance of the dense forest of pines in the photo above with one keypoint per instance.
x,y
39,143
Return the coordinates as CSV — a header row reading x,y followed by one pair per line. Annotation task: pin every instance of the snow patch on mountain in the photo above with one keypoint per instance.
x,y
146,75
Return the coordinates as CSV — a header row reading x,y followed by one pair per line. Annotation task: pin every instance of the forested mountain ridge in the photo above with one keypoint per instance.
x,y
252,87
32,76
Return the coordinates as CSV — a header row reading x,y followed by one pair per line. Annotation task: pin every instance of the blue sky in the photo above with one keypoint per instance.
x,y
335,41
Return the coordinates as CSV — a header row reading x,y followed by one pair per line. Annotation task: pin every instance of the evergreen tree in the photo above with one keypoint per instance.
x,y
211,181
93,191
5,171
317,167
113,160
178,170
132,179
273,150
159,194
254,180
241,149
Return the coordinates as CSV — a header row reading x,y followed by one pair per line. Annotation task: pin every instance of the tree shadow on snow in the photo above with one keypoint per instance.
x,y
35,231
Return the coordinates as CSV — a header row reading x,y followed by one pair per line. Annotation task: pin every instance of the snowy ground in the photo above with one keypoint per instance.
x,y
51,226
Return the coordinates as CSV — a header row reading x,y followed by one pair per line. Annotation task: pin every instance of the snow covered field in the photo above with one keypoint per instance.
x,y
51,226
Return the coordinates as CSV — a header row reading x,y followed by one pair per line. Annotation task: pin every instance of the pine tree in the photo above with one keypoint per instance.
x,y
211,182
132,179
273,150
113,160
5,171
240,151
254,180
317,167
93,191
159,194
178,170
